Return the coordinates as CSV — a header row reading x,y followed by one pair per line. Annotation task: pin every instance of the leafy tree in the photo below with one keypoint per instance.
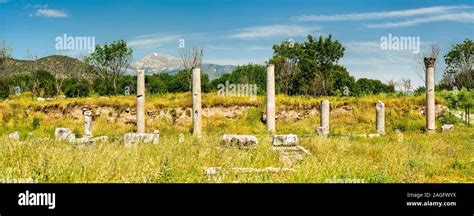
x,y
23,80
466,102
4,87
460,66
366,86
462,99
179,82
100,87
158,83
110,62
340,79
307,66
245,74
318,59
74,87
131,82
43,84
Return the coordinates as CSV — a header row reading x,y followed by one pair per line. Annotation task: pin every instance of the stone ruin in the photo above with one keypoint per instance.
x,y
17,90
65,134
140,136
289,149
447,128
127,91
323,130
240,141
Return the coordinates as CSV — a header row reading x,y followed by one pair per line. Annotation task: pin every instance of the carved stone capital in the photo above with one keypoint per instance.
x,y
429,62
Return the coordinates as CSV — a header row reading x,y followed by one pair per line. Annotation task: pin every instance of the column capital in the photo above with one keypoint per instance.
x,y
429,62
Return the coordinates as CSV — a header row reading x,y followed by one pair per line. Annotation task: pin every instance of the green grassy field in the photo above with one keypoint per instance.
x,y
421,157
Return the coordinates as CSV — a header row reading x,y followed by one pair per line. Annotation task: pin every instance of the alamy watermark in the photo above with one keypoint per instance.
x,y
400,43
237,90
66,42
37,199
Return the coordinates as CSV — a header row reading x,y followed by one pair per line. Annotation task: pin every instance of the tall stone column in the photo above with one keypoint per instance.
x,y
271,98
380,117
140,101
87,123
196,101
325,116
430,94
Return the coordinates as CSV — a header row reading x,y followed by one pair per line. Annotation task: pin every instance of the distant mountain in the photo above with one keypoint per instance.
x,y
156,63
59,64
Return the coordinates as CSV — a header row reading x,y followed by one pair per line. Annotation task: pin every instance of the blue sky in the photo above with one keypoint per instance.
x,y
243,31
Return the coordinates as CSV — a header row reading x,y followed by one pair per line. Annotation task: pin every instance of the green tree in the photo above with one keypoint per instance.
x,y
110,62
306,68
318,59
460,66
366,86
341,79
179,82
43,84
158,83
74,87
245,74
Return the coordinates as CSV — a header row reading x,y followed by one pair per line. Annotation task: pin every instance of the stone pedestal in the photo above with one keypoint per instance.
x,y
285,140
447,128
270,118
132,139
241,141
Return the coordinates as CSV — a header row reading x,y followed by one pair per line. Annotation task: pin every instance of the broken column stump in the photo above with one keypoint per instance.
x,y
241,141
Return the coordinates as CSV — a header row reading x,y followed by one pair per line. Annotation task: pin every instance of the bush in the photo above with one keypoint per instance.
x,y
4,87
43,84
448,118
36,123
76,88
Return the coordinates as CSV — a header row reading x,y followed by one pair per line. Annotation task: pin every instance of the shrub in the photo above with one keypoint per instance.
x,y
36,123
76,88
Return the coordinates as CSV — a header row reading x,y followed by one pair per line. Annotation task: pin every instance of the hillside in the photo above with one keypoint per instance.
x,y
71,67
59,64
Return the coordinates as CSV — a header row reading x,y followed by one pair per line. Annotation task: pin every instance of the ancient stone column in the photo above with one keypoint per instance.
x,y
87,123
271,98
197,102
325,116
430,94
380,117
140,101
17,90
127,91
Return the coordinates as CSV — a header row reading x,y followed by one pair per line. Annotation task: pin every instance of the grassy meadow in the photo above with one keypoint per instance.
x,y
421,157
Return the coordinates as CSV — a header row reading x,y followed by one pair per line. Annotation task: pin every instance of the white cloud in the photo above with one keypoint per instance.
x,y
154,40
384,14
269,31
455,17
50,13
